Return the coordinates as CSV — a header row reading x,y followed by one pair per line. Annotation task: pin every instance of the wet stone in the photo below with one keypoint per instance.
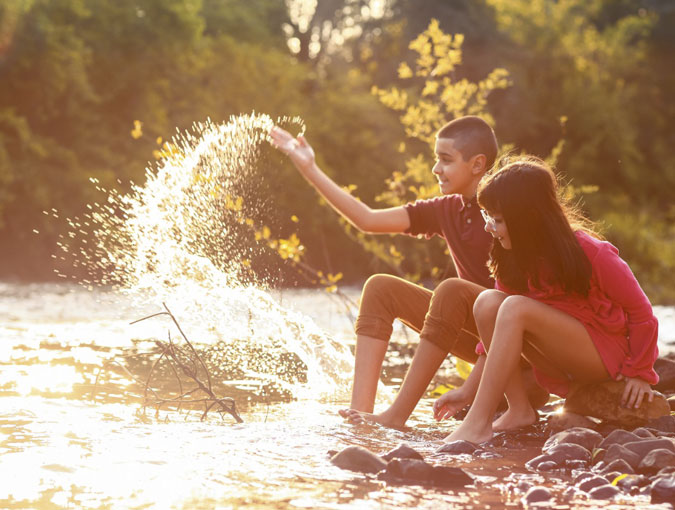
x,y
584,437
567,420
618,436
646,445
620,452
402,451
644,433
663,424
663,490
418,472
656,460
582,476
568,451
591,483
632,482
536,495
576,464
604,492
356,458
619,465
457,447
548,465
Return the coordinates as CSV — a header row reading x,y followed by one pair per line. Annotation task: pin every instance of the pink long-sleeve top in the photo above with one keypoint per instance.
x,y
616,313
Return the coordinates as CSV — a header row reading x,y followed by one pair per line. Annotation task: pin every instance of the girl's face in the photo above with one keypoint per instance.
x,y
496,226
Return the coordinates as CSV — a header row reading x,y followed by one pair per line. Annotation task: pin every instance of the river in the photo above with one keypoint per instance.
x,y
72,434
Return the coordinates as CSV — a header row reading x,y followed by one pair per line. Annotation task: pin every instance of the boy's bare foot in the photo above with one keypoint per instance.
x,y
471,433
513,420
360,417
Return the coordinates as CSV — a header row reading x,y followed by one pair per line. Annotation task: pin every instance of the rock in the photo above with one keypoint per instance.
x,y
418,472
604,401
568,451
585,437
567,420
402,451
548,465
656,460
576,464
666,370
620,452
663,490
582,476
663,424
604,492
356,458
646,445
631,482
618,437
643,432
620,466
671,402
592,483
537,494
457,447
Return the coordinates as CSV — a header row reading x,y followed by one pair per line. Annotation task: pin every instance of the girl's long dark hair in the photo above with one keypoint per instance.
x,y
541,225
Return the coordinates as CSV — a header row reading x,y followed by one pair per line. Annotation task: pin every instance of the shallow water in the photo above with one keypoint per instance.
x,y
66,442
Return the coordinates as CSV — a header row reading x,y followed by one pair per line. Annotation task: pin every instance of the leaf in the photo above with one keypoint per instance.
x,y
463,368
441,389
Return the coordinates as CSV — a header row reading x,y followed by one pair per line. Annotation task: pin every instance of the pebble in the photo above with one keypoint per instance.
x,y
656,460
537,494
663,490
356,458
618,436
604,492
644,432
620,452
592,483
584,437
402,451
457,447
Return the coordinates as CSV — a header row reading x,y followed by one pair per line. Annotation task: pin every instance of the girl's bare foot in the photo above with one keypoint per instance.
x,y
513,420
470,432
359,418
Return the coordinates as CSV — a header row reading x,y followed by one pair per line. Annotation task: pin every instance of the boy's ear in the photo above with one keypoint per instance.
x,y
478,164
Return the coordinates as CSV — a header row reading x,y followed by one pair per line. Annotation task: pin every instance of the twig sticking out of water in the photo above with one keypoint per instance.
x,y
191,364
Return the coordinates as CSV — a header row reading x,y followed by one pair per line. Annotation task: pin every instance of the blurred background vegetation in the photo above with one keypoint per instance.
x,y
587,83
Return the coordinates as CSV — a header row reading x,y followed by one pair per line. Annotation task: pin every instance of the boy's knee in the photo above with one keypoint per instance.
x,y
377,284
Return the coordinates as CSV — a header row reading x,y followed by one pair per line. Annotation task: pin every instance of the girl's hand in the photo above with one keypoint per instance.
x,y
450,403
300,152
636,390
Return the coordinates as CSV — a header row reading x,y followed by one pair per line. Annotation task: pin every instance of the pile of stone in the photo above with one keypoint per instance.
x,y
402,465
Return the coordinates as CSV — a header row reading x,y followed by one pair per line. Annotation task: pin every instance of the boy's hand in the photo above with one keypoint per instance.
x,y
450,403
636,390
300,152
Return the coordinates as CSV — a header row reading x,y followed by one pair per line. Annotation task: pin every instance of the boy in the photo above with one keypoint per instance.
x,y
465,149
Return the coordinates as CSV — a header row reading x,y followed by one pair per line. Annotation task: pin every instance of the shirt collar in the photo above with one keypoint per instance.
x,y
468,203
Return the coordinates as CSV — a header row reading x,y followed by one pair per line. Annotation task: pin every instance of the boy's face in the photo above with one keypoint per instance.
x,y
454,174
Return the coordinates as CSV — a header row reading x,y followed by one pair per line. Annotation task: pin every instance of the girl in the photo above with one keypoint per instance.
x,y
563,299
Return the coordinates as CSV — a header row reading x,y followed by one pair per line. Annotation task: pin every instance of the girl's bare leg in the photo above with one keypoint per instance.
x,y
555,336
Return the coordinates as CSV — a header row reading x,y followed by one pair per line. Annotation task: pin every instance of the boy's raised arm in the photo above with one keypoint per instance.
x,y
392,220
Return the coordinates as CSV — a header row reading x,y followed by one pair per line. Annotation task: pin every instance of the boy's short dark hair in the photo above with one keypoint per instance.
x,y
472,135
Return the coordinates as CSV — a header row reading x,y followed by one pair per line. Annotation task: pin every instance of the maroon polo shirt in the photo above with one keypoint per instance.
x,y
459,222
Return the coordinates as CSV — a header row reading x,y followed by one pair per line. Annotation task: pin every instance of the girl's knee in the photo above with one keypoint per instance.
x,y
487,304
515,308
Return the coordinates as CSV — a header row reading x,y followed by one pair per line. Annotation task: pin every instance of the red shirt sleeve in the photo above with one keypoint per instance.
x,y
616,279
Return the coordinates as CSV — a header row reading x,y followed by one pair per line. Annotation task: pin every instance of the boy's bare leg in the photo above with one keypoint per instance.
x,y
426,361
369,356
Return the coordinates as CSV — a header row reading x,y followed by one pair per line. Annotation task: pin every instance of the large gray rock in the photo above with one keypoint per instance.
x,y
604,401
585,437
356,458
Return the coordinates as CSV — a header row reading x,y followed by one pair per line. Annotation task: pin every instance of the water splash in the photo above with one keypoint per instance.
x,y
187,237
